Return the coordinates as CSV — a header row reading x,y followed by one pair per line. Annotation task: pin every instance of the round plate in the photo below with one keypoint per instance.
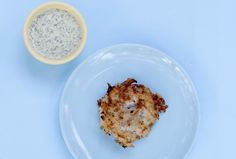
x,y
170,138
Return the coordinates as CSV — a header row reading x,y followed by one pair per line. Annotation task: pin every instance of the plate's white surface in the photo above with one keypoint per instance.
x,y
171,136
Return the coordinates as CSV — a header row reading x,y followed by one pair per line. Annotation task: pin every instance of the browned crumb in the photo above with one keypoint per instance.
x,y
129,110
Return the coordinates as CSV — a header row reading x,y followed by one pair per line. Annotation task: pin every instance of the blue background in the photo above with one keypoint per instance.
x,y
199,34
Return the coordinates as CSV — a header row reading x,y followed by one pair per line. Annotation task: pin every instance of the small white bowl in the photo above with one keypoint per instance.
x,y
55,5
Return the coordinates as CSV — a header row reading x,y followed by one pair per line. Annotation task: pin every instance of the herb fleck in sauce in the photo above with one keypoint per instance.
x,y
55,34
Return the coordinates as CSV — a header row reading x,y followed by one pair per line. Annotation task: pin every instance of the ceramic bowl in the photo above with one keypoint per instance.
x,y
41,9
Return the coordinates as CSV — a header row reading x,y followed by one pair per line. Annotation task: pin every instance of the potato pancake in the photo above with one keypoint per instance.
x,y
129,110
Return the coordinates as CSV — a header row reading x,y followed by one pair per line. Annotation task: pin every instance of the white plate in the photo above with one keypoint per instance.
x,y
171,136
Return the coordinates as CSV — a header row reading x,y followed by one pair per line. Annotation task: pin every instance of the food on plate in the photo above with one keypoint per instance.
x,y
129,110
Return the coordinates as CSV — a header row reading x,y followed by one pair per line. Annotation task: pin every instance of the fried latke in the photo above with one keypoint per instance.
x,y
129,110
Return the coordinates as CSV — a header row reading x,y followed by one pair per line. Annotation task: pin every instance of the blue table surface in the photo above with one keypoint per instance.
x,y
199,34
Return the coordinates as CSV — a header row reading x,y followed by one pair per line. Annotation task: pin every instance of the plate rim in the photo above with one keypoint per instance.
x,y
196,133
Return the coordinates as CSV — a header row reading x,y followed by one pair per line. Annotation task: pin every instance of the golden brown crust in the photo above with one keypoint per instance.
x,y
129,110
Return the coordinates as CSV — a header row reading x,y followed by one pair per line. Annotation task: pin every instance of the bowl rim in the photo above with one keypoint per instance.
x,y
55,5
